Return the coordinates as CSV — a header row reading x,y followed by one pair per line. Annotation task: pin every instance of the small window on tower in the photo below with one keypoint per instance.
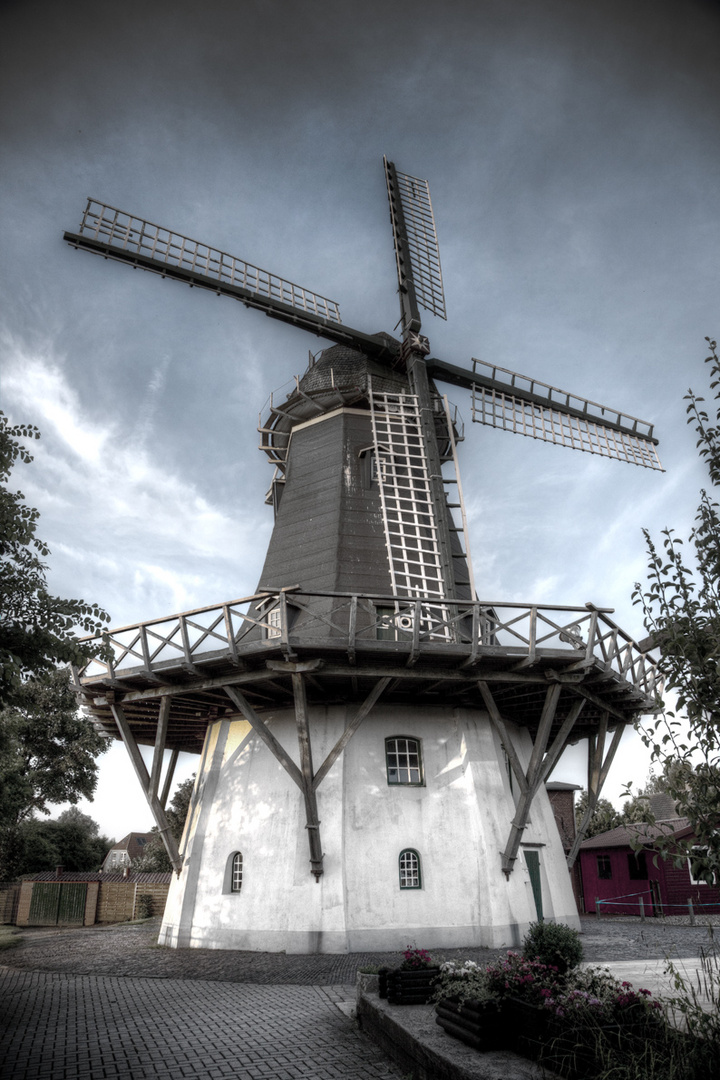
x,y
403,761
410,869
274,623
237,872
379,464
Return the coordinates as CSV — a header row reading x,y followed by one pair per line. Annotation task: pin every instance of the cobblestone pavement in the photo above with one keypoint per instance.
x,y
129,949
106,1002
79,1027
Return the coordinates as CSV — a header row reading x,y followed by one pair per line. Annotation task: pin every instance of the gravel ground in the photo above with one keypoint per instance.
x,y
129,949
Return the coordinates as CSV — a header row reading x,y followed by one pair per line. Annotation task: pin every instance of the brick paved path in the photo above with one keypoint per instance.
x,y
130,950
65,1027
106,1002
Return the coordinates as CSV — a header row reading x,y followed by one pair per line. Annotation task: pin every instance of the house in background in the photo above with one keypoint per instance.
x,y
130,847
617,875
562,801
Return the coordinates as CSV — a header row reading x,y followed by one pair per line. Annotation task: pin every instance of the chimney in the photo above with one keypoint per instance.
x,y
126,871
59,871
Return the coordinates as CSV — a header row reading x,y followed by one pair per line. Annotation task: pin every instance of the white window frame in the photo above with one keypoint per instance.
x,y
409,869
399,747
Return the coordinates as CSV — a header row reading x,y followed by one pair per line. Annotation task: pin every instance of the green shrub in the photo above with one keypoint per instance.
x,y
554,944
144,906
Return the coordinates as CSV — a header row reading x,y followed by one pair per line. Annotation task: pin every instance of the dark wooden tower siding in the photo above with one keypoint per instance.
x,y
329,534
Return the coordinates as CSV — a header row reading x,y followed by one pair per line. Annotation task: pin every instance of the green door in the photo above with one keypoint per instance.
x,y
532,859
44,904
52,903
72,904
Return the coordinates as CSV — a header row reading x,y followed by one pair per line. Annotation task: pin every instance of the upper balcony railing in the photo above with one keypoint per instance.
x,y
292,619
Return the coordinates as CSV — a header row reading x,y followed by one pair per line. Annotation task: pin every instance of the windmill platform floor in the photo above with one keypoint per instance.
x,y
106,1002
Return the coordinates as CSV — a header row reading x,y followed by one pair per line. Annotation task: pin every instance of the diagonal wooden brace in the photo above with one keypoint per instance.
x,y
542,761
598,768
158,811
312,822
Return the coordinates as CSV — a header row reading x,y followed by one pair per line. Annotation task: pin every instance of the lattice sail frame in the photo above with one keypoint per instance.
x,y
550,421
421,236
133,234
411,532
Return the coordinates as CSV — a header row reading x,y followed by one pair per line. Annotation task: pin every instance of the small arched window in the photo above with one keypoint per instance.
x,y
403,760
409,865
237,868
232,880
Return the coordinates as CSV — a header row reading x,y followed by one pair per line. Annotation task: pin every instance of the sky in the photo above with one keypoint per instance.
x,y
573,158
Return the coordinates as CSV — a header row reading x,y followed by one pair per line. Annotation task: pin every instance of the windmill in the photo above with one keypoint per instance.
x,y
436,716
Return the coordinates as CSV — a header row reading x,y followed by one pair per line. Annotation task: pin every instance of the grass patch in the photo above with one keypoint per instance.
x,y
9,937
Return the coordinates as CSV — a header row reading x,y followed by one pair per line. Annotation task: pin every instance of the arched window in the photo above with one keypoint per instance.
x,y
409,864
403,761
236,883
232,881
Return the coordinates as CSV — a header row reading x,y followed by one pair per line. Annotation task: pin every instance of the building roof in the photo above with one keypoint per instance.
x,y
560,785
155,878
627,835
134,843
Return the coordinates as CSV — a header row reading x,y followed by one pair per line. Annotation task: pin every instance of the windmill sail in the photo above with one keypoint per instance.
x,y
528,407
415,238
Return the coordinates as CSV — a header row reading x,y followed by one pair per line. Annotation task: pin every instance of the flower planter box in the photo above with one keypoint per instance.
x,y
568,1046
413,987
536,1033
472,1023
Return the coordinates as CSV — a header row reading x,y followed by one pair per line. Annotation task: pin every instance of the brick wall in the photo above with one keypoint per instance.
x,y
23,911
9,897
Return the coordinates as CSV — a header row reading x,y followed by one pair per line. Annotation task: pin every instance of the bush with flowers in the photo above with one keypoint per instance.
x,y
595,992
515,976
416,959
461,983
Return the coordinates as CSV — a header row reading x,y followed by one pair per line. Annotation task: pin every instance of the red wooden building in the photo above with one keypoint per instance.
x,y
619,879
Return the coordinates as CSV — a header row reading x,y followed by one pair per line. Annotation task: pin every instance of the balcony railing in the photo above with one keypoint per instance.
x,y
579,636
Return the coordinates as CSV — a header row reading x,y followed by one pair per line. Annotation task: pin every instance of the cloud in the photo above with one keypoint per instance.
x,y
122,527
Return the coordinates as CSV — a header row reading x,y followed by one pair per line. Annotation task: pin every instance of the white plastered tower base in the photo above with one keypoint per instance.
x,y
457,821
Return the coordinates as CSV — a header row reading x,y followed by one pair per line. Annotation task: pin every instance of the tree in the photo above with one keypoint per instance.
x,y
36,628
681,608
604,818
48,752
155,858
71,841
47,749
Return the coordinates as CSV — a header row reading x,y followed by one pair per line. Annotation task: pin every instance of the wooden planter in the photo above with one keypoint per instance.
x,y
472,1023
407,987
571,1049
538,1034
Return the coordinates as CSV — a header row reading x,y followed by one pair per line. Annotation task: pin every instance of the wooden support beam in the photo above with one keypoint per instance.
x,y
265,734
350,730
143,776
533,778
598,768
499,725
174,755
312,822
159,750
542,760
